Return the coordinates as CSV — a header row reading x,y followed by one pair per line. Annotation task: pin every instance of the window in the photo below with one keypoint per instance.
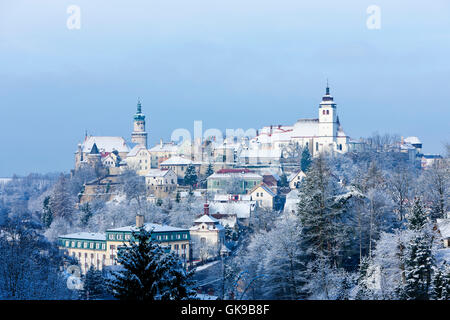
x,y
119,236
127,237
73,244
91,245
85,245
317,146
67,243
323,112
103,246
79,244
328,111
111,237
97,245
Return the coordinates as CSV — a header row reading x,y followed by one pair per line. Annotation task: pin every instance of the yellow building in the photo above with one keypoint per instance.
x,y
100,249
263,196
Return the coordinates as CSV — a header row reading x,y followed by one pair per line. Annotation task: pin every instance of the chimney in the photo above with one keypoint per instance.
x,y
206,209
139,220
402,141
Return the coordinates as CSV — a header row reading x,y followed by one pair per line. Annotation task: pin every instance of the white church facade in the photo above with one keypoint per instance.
x,y
323,134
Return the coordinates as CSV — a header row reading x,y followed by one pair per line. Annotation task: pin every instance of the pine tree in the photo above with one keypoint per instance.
x,y
441,284
148,272
178,197
305,162
417,218
93,285
418,259
190,177
86,214
319,212
47,215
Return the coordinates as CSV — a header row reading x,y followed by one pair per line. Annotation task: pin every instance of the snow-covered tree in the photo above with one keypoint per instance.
x,y
93,285
305,161
190,176
148,272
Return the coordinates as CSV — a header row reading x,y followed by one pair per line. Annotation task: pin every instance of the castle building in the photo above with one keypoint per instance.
x,y
139,136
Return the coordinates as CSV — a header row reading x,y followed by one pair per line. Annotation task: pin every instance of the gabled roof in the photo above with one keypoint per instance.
x,y
265,188
105,144
135,150
158,172
206,219
293,175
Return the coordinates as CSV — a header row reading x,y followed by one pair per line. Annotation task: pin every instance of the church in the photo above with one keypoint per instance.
x,y
322,134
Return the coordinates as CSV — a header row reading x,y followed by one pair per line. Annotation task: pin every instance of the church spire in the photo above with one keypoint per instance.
x,y
327,92
139,106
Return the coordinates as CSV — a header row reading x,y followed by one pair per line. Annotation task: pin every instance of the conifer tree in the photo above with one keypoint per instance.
x,y
441,284
418,259
93,285
47,215
148,272
305,161
190,177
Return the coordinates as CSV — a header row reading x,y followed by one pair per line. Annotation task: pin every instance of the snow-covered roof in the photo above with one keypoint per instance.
x,y
407,146
213,223
412,140
245,175
149,226
444,227
85,236
293,175
135,150
157,173
206,219
176,160
265,188
242,209
164,147
105,144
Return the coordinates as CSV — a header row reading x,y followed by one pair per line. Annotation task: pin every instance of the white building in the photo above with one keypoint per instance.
x,y
207,236
324,133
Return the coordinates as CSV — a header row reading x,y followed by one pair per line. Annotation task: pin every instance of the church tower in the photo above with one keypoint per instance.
x,y
328,122
139,135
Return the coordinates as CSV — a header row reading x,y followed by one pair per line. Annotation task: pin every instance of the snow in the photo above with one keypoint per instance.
x,y
157,173
412,140
242,209
247,175
105,144
444,227
149,226
85,235
176,160
205,266
135,150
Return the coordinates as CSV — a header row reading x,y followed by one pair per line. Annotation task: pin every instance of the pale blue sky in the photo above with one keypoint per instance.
x,y
232,64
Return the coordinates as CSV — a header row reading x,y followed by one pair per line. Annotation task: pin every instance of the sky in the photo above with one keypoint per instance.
x,y
231,64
